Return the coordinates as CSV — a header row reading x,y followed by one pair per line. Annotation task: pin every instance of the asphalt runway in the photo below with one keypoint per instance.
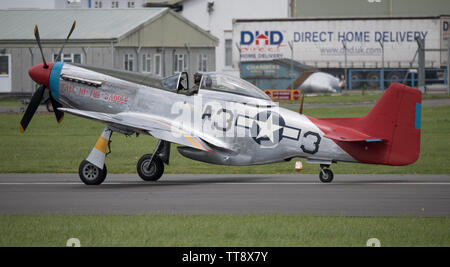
x,y
348,195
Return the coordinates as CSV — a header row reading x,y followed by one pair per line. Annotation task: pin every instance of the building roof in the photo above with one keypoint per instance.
x,y
93,25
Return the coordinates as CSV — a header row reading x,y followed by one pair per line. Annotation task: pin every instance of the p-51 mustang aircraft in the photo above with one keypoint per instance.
x,y
221,120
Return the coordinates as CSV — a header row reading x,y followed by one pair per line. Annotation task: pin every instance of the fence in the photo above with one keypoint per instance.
x,y
380,79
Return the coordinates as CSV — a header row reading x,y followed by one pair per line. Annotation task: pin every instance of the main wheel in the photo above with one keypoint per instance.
x,y
91,174
326,176
150,172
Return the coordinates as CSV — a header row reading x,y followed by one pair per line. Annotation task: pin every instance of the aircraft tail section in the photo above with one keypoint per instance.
x,y
391,129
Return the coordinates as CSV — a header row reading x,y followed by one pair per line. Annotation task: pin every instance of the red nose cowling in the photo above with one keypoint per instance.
x,y
40,74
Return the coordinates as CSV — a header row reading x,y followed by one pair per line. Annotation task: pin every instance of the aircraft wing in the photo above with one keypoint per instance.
x,y
154,126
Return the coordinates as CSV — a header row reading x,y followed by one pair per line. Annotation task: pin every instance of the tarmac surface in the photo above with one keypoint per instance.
x,y
303,194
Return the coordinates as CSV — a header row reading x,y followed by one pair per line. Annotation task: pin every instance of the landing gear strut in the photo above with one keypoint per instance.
x,y
326,175
89,170
150,167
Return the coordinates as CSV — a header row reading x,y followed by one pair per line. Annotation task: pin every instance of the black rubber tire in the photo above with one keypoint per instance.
x,y
356,79
326,176
394,77
373,79
91,174
156,170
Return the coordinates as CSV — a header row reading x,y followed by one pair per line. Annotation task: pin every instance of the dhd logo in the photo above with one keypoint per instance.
x,y
266,38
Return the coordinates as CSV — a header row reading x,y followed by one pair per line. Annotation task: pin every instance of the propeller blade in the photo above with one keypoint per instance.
x,y
31,109
67,39
301,104
59,114
38,40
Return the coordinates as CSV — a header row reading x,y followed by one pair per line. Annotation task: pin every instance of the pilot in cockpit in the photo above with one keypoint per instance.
x,y
195,87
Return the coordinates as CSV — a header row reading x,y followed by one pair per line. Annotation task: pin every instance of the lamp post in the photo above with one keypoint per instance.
x,y
448,66
291,45
421,71
344,44
382,65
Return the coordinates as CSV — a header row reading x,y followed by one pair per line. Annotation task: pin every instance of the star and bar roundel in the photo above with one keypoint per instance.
x,y
268,128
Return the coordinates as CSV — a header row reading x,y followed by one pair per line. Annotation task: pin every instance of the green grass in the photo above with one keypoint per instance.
x,y
221,230
10,102
51,147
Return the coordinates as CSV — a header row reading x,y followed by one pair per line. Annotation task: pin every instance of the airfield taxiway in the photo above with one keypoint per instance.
x,y
348,195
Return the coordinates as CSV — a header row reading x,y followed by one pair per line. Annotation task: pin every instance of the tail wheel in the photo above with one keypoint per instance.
x,y
150,171
326,176
91,174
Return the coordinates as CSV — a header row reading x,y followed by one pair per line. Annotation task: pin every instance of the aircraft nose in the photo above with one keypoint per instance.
x,y
40,74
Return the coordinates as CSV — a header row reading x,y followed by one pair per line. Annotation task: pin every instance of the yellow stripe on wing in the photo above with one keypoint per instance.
x,y
193,142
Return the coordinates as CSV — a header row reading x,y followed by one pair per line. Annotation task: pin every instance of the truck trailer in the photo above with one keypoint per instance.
x,y
370,52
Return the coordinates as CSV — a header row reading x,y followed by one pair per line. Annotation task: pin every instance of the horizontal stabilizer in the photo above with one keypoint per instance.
x,y
345,134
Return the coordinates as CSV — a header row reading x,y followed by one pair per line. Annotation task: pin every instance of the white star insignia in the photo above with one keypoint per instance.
x,y
267,128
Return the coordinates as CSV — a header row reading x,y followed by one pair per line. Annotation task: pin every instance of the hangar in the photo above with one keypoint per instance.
x,y
156,41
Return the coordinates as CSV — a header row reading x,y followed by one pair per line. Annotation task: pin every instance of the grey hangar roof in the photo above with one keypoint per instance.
x,y
100,26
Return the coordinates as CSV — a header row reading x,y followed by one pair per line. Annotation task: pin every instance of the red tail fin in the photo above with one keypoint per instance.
x,y
395,119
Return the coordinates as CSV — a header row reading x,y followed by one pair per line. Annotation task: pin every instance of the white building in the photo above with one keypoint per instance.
x,y
216,17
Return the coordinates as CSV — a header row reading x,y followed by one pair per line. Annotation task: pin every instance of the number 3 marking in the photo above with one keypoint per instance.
x,y
316,144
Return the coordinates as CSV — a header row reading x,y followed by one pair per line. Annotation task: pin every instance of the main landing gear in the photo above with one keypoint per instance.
x,y
91,174
150,167
326,175
90,170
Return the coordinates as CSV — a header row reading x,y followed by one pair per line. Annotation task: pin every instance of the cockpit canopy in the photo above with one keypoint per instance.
x,y
212,81
176,82
229,84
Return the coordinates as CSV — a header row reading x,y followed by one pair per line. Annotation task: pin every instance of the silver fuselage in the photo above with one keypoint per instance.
x,y
237,120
